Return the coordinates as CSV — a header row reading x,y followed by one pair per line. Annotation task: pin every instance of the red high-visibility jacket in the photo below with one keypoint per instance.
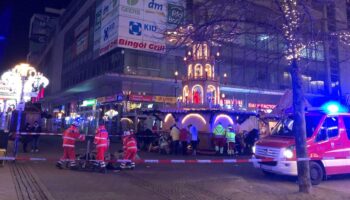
x,y
70,136
101,137
129,143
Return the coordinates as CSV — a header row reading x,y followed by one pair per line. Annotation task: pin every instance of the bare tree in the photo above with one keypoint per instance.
x,y
223,22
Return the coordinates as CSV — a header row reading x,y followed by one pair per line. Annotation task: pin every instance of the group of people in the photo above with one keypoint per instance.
x,y
225,136
26,139
182,139
101,141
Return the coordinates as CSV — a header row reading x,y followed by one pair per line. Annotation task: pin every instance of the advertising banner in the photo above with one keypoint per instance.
x,y
135,24
164,99
81,34
97,30
135,97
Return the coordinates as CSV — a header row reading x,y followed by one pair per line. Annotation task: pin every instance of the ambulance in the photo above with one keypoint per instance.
x,y
328,145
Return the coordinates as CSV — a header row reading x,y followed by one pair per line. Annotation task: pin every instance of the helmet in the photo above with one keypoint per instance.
x,y
75,123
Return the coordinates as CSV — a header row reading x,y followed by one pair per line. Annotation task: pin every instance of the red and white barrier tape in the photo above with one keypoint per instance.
x,y
184,161
60,134
32,133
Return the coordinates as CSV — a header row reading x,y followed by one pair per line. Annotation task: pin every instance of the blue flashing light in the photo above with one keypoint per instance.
x,y
333,108
2,37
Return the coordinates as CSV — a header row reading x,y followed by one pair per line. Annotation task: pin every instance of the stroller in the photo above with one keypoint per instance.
x,y
164,144
87,161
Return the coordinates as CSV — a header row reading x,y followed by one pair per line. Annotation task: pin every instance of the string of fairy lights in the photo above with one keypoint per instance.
x,y
290,27
344,36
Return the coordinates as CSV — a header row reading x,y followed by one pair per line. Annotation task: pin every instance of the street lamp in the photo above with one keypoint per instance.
x,y
225,78
223,100
25,81
176,74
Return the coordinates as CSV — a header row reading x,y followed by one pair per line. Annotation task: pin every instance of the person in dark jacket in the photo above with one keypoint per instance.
x,y
25,139
36,129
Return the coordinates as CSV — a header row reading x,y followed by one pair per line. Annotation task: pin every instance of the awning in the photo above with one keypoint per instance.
x,y
110,84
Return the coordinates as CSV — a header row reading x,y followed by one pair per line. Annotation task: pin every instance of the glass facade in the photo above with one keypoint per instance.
x,y
253,60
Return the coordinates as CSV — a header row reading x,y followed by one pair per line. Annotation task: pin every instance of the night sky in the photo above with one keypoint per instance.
x,y
14,27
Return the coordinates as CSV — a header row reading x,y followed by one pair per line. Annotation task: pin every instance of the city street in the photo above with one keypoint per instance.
x,y
160,181
249,89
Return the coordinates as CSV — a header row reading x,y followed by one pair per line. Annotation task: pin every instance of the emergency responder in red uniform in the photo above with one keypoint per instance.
x,y
102,142
130,150
69,137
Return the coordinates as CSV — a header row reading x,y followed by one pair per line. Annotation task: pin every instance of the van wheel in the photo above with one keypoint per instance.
x,y
316,173
267,173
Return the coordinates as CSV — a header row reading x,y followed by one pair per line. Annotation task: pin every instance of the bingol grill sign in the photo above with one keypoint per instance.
x,y
136,24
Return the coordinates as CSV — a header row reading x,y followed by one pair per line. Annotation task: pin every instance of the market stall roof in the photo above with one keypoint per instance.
x,y
286,103
103,85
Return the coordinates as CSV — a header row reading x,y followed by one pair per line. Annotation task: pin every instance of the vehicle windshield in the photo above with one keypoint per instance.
x,y
285,126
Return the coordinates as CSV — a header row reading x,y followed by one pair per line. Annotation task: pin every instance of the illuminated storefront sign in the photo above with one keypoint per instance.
x,y
163,99
89,102
261,106
233,102
106,99
146,98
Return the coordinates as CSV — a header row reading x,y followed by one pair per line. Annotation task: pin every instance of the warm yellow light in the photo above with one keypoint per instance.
x,y
220,116
24,75
126,119
167,117
195,115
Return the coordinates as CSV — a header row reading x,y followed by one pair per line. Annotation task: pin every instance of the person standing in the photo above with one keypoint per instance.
x,y
130,150
219,138
155,129
37,130
69,137
230,140
102,142
194,138
184,138
175,137
25,138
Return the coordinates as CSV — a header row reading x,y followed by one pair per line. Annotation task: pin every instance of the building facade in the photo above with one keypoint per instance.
x,y
98,54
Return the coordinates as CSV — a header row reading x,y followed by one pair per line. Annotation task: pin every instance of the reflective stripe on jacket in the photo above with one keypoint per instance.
x,y
219,130
70,136
230,136
129,143
101,137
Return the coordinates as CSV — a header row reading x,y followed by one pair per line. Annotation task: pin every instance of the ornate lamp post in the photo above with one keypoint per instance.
x,y
176,75
223,100
21,79
225,78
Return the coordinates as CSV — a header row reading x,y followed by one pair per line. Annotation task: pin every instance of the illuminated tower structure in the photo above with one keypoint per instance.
x,y
200,86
